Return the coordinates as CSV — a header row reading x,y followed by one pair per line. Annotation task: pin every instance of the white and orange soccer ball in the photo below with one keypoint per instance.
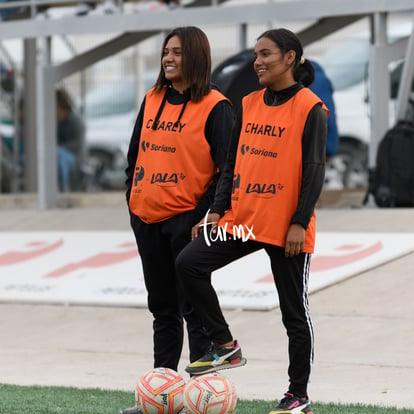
x,y
210,394
160,391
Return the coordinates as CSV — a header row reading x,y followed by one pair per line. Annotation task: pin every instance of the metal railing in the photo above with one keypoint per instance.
x,y
30,8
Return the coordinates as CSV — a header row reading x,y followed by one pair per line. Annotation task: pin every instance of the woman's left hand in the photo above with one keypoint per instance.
x,y
295,240
209,219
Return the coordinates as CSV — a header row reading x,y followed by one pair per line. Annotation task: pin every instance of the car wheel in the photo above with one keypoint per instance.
x,y
353,158
99,162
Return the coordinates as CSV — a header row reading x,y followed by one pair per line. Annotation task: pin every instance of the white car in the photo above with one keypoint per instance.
x,y
346,64
109,113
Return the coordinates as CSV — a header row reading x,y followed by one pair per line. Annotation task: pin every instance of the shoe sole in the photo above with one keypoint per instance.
x,y
206,370
296,410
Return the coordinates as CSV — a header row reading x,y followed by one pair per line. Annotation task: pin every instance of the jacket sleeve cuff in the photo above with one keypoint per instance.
x,y
300,219
217,211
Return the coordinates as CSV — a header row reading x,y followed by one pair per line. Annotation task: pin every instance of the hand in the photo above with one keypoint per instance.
x,y
209,219
295,240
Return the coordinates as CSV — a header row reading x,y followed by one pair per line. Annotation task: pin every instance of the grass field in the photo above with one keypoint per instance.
x,y
61,400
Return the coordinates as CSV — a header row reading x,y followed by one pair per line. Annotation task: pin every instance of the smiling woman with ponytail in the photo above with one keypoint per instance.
x,y
274,197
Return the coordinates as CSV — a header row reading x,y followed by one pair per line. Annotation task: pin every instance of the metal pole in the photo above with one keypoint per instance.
x,y
378,75
29,118
243,36
46,130
406,80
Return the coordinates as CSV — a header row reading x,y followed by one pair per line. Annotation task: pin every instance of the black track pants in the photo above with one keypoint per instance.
x,y
198,260
158,246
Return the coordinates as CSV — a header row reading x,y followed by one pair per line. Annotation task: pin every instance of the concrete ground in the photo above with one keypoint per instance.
x,y
364,326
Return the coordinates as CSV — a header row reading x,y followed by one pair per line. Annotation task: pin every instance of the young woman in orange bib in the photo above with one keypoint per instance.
x,y
176,154
266,199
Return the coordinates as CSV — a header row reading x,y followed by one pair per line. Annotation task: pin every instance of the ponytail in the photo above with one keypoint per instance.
x,y
304,72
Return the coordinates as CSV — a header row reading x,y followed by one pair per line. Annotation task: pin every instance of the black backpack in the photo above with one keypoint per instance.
x,y
392,182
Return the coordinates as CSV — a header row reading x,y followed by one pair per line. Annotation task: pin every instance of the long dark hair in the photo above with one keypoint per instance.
x,y
63,100
196,61
286,40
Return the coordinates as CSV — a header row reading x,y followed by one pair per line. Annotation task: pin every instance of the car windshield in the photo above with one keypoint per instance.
x,y
346,65
111,98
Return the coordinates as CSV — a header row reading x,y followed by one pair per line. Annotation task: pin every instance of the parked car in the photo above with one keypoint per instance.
x,y
347,67
109,110
109,113
9,169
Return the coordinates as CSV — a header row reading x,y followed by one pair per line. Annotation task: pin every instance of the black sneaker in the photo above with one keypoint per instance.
x,y
217,358
292,404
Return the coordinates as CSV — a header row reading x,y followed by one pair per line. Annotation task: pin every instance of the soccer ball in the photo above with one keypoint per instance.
x,y
160,391
210,394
